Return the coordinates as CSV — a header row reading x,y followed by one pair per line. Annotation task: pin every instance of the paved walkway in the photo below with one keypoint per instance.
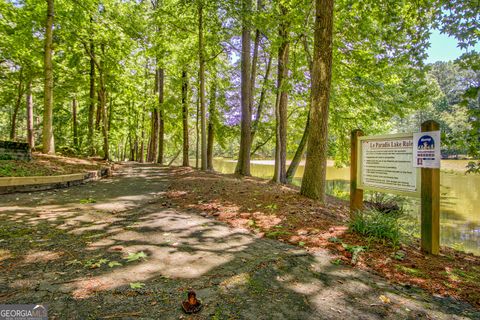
x,y
55,248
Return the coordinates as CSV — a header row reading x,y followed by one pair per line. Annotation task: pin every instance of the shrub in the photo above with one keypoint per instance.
x,y
385,203
473,167
5,157
377,225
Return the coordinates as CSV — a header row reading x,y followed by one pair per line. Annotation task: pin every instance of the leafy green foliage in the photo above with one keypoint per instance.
x,y
136,256
473,167
93,263
137,285
377,225
13,169
354,250
411,271
272,206
87,200
5,157
277,233
112,264
399,255
377,68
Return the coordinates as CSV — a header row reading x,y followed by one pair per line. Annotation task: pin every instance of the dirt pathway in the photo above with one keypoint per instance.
x,y
119,249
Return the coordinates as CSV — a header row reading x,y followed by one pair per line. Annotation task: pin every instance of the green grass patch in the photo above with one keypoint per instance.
x,y
277,233
466,276
9,169
255,285
377,225
412,271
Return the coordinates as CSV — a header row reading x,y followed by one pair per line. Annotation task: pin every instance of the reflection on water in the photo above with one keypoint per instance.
x,y
459,206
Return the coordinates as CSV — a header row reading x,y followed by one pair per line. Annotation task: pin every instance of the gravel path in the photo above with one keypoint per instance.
x,y
79,251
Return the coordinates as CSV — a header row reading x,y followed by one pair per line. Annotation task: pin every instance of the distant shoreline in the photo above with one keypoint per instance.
x,y
447,165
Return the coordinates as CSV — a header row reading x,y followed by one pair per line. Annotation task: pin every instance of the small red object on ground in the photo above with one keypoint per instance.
x,y
192,304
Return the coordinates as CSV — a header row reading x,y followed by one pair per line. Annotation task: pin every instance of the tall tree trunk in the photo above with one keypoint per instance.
x,y
103,108
102,96
141,156
124,152
211,122
141,153
18,102
98,115
297,158
292,169
131,144
155,132
280,173
314,178
29,103
261,102
135,150
253,74
197,131
91,107
110,113
134,153
243,164
185,161
161,129
203,117
48,140
75,123
149,149
477,124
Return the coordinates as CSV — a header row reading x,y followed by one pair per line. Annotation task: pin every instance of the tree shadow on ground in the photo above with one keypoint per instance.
x,y
49,253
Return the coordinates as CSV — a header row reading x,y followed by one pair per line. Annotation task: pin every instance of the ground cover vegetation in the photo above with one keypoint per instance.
x,y
381,239
133,245
49,165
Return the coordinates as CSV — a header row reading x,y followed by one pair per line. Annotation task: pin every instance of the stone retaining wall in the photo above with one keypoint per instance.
x,y
10,150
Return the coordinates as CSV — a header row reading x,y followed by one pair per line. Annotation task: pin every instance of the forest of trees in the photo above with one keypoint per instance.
x,y
154,80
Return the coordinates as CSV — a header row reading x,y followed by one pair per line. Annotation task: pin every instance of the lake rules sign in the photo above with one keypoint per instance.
x,y
385,164
406,164
426,149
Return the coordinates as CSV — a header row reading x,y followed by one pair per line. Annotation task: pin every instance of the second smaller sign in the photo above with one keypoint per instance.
x,y
426,149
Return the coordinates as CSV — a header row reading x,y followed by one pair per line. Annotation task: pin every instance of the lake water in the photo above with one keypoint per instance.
x,y
459,206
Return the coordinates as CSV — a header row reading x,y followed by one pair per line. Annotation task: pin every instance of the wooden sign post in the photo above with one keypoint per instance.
x,y
430,195
405,164
356,195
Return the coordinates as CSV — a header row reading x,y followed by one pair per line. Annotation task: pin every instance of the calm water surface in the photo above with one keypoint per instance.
x,y
459,206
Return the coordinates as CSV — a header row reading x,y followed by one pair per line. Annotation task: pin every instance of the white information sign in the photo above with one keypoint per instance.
x,y
426,149
386,164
